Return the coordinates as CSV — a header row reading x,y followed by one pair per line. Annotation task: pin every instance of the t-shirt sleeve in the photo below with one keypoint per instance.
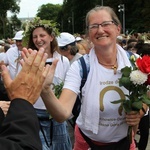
x,y
73,78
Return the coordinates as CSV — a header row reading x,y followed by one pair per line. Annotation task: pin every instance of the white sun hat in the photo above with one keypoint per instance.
x,y
65,38
18,35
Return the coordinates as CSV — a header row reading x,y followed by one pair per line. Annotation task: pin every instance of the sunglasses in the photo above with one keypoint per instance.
x,y
63,48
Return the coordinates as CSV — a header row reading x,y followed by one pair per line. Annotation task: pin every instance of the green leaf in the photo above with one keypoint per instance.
x,y
126,71
125,81
58,89
127,105
137,105
146,100
118,101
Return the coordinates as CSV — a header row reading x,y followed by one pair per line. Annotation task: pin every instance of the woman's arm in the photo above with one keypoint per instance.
x,y
60,109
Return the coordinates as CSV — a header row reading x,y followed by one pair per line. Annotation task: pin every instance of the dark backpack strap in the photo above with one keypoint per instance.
x,y
61,58
77,105
85,72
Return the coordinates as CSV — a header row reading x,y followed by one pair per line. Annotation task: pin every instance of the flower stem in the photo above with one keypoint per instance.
x,y
129,134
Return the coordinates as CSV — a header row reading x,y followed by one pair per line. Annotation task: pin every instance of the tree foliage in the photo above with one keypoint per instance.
x,y
71,15
137,14
7,5
49,11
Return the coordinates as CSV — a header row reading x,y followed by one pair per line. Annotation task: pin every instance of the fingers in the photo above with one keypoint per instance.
x,y
41,66
34,58
6,76
54,64
25,53
1,63
46,70
39,61
133,118
50,75
28,61
24,56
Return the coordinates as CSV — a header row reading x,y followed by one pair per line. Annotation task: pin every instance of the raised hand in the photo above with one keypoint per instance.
x,y
28,83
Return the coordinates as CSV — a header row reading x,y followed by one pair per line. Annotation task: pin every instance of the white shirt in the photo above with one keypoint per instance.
x,y
77,56
11,59
112,125
60,73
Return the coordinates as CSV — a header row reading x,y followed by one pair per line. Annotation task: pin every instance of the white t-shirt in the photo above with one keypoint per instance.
x,y
60,73
112,125
77,56
11,59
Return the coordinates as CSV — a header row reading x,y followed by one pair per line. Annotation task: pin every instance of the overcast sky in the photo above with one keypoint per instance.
x,y
28,8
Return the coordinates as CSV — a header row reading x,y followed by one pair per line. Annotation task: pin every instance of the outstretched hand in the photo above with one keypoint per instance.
x,y
49,79
28,83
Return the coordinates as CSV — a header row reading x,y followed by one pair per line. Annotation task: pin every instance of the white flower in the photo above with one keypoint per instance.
x,y
138,77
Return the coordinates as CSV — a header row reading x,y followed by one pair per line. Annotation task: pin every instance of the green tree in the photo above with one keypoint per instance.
x,y
48,11
137,14
71,15
12,25
7,5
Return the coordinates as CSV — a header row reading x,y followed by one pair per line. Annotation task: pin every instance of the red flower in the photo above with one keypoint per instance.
x,y
144,64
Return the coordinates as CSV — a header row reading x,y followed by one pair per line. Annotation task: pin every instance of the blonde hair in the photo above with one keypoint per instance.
x,y
99,8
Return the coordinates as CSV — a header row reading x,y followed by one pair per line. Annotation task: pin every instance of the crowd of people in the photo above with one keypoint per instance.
x,y
51,59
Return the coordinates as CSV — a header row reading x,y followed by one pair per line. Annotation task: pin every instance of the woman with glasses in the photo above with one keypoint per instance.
x,y
42,33
99,125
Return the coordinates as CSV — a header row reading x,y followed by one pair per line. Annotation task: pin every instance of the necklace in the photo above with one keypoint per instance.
x,y
114,66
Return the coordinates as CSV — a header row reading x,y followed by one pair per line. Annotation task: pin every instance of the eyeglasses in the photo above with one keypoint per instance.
x,y
104,25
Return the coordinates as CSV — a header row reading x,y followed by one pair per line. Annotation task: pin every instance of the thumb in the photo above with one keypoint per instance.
x,y
53,66
6,76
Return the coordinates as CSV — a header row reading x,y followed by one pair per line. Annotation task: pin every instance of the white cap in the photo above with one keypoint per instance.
x,y
78,38
119,37
18,35
65,39
2,42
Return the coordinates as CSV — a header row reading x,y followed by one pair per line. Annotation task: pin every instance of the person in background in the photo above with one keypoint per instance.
x,y
13,55
119,40
42,33
10,58
97,126
78,39
81,48
143,49
20,129
84,46
68,47
2,43
130,45
6,47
